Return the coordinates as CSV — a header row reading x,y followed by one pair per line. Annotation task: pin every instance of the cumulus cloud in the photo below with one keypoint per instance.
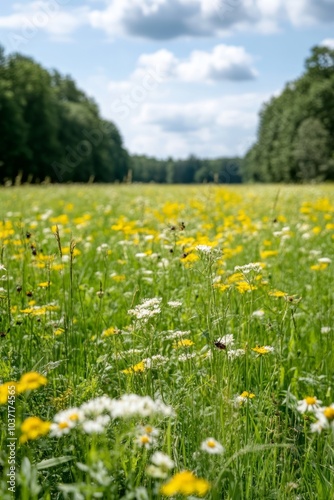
x,y
169,19
224,62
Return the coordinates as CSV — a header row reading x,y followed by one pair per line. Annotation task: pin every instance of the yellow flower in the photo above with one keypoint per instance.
x,y
185,483
44,284
268,253
243,287
320,267
33,428
30,381
247,394
59,331
263,350
183,343
110,331
138,368
277,293
7,389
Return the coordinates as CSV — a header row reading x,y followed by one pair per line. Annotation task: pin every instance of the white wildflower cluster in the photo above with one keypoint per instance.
x,y
324,260
174,303
284,233
161,465
103,248
147,309
186,356
323,414
155,361
325,329
175,334
235,353
226,340
258,314
255,267
95,415
204,249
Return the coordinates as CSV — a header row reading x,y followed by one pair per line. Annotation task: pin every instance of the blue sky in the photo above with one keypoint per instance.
x,y
178,77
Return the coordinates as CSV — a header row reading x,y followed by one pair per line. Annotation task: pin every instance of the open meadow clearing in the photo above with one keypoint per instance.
x,y
167,342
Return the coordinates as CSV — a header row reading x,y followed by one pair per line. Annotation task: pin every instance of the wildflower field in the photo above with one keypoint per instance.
x,y
166,342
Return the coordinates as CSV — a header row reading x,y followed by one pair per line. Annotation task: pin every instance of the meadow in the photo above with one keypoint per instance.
x,y
166,342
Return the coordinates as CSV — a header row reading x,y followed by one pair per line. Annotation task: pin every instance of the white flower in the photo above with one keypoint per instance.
x,y
210,445
174,303
232,354
155,361
174,334
145,440
317,427
325,415
309,403
258,314
325,260
325,329
186,356
204,248
2,268
247,268
96,426
227,340
162,460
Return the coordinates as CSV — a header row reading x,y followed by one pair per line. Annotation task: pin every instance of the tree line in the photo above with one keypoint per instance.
x,y
296,132
51,130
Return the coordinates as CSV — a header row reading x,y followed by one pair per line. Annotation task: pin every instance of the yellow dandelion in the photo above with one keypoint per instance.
x,y
44,284
7,389
33,428
183,343
138,368
110,331
30,381
185,483
263,350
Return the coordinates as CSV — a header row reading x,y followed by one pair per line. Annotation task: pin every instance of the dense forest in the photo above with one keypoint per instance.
x,y
296,132
52,131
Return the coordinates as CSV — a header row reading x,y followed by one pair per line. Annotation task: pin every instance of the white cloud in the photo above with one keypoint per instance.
x,y
42,15
168,19
328,42
224,62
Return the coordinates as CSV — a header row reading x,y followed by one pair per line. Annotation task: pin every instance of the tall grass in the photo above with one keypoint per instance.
x,y
231,348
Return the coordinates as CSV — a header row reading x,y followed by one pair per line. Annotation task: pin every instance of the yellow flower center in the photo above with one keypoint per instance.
x,y
311,400
329,413
63,425
211,444
145,439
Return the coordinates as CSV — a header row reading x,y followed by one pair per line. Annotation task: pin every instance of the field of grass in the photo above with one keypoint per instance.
x,y
166,342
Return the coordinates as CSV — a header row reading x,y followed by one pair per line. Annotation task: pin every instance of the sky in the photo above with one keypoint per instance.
x,y
177,77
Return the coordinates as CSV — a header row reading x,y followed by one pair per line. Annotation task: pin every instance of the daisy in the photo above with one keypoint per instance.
x,y
210,445
310,403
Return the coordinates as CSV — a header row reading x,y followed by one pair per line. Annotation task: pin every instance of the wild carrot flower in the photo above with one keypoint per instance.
x,y
210,445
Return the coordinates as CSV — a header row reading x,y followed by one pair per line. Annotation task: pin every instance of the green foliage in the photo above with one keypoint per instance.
x,y
51,129
296,128
188,171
